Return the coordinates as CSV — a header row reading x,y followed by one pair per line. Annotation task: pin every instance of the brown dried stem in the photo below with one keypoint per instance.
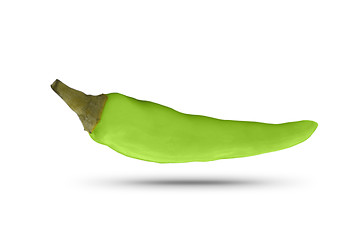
x,y
88,107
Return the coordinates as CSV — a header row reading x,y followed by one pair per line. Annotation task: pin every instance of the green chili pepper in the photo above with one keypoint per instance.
x,y
153,132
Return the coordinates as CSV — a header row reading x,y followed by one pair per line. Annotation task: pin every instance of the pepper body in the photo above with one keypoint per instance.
x,y
153,132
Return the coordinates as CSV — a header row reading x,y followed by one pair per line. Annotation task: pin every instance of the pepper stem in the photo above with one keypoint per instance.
x,y
88,107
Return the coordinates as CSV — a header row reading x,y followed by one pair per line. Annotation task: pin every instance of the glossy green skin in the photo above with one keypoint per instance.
x,y
153,132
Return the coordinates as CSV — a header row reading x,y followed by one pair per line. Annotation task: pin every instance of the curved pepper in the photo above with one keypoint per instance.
x,y
153,132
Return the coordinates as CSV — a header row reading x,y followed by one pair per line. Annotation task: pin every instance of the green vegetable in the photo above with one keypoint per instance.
x,y
153,132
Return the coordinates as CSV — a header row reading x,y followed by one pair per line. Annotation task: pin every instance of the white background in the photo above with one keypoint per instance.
x,y
267,61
